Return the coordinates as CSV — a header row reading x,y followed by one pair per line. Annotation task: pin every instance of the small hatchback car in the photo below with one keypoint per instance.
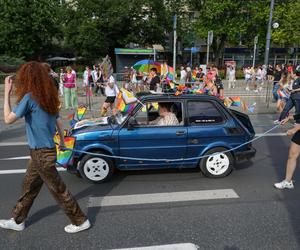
x,y
135,141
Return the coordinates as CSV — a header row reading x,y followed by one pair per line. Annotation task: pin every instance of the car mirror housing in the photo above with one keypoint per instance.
x,y
131,123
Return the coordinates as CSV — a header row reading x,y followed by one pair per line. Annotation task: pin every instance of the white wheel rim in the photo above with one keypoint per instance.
x,y
217,164
96,169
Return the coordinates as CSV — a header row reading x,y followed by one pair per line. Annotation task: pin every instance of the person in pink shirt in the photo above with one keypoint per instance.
x,y
70,89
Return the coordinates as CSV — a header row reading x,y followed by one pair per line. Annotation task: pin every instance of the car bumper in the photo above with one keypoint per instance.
x,y
246,154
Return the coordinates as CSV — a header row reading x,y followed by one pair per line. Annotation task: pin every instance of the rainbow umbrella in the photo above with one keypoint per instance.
x,y
146,65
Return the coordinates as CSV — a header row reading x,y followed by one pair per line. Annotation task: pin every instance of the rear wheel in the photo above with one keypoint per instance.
x,y
217,165
96,169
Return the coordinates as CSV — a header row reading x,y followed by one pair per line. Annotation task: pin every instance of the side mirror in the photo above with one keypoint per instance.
x,y
131,123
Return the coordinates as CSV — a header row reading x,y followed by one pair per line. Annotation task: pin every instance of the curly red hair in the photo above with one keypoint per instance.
x,y
33,77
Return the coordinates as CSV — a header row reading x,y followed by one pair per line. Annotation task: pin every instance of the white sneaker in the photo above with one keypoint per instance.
x,y
75,229
247,89
284,184
260,89
11,224
255,91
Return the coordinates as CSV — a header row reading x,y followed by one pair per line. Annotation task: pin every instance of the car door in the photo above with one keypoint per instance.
x,y
208,127
148,141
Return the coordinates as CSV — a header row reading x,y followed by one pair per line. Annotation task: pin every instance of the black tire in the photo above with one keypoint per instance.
x,y
96,169
217,166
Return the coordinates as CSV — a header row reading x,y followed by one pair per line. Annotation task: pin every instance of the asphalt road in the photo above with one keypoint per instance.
x,y
260,218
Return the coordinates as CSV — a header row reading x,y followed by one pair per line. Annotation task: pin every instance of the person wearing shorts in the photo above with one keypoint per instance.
x,y
294,152
111,91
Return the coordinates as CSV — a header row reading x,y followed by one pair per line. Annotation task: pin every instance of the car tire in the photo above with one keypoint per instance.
x,y
96,169
219,165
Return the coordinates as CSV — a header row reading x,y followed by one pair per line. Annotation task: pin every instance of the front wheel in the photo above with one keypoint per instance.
x,y
96,169
217,164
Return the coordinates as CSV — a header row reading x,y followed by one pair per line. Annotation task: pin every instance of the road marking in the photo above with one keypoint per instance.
x,y
22,171
271,134
161,197
180,246
4,144
16,158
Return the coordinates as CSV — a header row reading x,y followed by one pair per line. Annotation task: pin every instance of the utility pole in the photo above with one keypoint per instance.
x,y
268,37
209,42
254,52
174,43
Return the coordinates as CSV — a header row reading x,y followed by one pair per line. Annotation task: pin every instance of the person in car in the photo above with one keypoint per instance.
x,y
166,117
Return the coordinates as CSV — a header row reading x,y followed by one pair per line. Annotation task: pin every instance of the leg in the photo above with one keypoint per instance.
x,y
32,185
67,94
292,161
44,160
74,100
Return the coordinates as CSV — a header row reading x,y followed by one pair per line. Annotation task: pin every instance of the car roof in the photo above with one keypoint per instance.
x,y
172,97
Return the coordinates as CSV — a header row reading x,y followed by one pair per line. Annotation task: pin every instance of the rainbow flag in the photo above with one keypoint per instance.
x,y
122,106
236,101
127,96
71,119
282,93
81,112
63,157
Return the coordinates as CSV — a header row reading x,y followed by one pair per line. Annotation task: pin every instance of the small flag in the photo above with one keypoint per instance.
x,y
81,112
122,106
63,157
128,97
236,101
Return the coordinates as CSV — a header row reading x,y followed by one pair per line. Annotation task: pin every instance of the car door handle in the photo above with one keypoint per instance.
x,y
181,132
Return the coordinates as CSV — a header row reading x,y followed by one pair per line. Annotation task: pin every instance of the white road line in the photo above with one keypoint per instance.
x,y
161,197
22,171
271,134
4,144
16,158
180,246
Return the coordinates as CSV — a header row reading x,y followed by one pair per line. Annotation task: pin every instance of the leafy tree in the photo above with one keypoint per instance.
x,y
27,28
287,15
95,27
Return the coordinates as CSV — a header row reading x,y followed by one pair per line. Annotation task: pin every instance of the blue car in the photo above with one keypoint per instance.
x,y
135,141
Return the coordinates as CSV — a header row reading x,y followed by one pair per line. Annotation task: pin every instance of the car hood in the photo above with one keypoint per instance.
x,y
92,129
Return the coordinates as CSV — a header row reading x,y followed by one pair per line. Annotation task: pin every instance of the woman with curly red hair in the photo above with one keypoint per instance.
x,y
38,102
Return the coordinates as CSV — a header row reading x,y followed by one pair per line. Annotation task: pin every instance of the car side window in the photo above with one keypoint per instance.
x,y
148,115
203,113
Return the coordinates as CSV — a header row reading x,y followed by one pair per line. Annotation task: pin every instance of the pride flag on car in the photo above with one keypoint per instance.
x,y
122,106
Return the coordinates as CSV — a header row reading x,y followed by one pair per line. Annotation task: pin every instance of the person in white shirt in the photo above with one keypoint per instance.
x,y
247,73
231,77
61,82
111,91
183,75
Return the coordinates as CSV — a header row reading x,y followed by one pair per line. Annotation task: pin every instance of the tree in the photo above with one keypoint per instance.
x,y
287,15
94,28
27,28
